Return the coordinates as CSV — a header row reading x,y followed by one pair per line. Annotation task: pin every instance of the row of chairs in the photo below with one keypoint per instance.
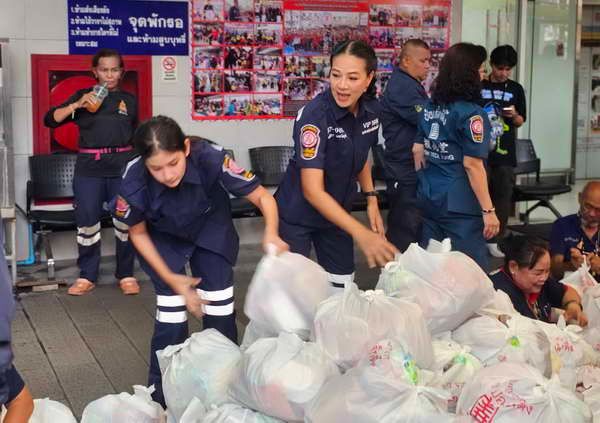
x,y
52,176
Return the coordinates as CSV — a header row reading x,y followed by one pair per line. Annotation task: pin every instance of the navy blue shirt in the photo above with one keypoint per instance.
x,y
550,296
330,138
567,233
449,133
400,105
195,213
7,308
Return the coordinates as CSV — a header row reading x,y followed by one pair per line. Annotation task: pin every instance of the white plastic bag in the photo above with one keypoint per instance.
x,y
200,367
280,376
285,292
253,333
233,413
371,394
124,407
581,279
519,339
49,411
450,287
591,305
500,304
455,366
194,413
518,393
349,323
592,398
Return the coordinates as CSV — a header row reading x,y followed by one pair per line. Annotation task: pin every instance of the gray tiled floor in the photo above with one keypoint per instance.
x,y
77,349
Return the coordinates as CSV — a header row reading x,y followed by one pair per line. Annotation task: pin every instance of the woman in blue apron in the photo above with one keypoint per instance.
x,y
453,141
105,130
332,135
175,199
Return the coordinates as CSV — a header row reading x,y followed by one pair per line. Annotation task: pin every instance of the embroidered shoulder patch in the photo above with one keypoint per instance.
x,y
232,169
476,128
418,108
122,208
309,140
123,108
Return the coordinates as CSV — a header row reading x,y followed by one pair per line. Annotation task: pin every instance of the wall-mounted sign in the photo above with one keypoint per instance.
x,y
131,27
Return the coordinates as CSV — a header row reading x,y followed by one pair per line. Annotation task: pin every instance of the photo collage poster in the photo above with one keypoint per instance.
x,y
265,59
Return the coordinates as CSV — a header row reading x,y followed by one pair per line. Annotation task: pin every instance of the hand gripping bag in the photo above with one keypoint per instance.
x,y
280,376
455,366
493,341
349,323
449,286
518,393
201,367
124,407
234,413
49,411
285,292
374,394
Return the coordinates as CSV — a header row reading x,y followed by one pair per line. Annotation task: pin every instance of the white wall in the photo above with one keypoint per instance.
x,y
40,27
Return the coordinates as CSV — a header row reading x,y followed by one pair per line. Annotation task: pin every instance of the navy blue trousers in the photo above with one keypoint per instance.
x,y
334,249
91,196
170,325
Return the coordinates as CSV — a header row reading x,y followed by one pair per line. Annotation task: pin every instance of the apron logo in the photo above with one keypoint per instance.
x,y
309,138
231,168
122,208
123,108
476,127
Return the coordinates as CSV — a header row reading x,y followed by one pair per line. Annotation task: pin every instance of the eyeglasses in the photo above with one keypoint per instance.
x,y
587,207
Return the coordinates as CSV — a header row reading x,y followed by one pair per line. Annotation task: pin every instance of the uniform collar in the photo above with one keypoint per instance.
x,y
364,105
408,75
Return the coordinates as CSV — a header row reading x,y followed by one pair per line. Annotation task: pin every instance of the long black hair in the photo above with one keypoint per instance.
x,y
525,250
158,133
362,50
458,77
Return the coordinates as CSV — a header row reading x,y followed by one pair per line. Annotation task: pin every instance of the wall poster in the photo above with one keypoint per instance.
x,y
265,59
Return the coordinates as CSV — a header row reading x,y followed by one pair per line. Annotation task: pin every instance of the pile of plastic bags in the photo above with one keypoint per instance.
x,y
433,343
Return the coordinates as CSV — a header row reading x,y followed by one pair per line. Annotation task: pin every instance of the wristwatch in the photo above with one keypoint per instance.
x,y
371,194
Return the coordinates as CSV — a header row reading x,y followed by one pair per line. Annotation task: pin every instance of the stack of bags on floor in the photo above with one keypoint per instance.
x,y
433,343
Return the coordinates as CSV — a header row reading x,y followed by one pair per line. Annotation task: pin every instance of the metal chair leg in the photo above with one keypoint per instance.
x,y
49,255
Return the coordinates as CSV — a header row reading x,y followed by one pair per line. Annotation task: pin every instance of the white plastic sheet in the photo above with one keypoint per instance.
x,y
349,323
280,376
49,411
201,367
581,279
449,286
285,292
233,413
518,393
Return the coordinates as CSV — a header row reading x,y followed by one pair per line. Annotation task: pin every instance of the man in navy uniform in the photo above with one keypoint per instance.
x,y
7,308
575,237
401,102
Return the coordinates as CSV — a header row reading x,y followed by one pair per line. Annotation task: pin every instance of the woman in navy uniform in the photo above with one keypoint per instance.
x,y
104,150
525,278
332,137
452,143
175,199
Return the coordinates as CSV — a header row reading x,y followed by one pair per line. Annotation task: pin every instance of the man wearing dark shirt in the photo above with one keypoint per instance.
x,y
504,101
576,236
401,102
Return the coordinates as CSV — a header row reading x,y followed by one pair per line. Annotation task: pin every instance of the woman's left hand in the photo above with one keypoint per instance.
x,y
574,313
375,219
280,245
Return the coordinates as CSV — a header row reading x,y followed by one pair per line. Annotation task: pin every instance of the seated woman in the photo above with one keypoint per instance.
x,y
525,279
19,406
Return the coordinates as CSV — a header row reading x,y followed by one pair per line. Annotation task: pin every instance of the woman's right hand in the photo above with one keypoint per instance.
x,y
491,225
418,151
87,98
376,248
186,287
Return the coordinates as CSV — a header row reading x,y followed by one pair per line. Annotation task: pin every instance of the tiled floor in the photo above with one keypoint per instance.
x,y
77,349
